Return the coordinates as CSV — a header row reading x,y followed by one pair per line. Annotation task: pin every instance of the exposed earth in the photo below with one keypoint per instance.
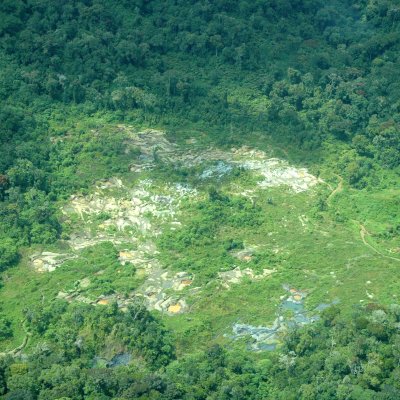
x,y
133,214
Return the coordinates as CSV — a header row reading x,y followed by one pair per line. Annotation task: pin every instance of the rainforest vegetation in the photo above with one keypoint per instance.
x,y
317,81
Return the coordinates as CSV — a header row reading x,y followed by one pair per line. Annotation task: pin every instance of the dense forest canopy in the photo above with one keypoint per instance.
x,y
305,70
311,74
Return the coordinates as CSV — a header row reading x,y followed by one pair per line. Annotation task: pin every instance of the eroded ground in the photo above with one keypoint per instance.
x,y
290,243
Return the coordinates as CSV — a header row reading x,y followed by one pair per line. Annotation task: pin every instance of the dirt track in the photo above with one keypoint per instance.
x,y
363,229
14,352
363,234
338,189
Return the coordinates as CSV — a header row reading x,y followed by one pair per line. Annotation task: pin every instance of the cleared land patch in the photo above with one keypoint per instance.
x,y
174,234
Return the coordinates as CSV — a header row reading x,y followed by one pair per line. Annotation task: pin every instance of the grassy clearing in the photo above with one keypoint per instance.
x,y
313,244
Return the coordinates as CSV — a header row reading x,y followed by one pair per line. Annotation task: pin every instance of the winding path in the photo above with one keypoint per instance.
x,y
363,234
363,230
338,189
17,350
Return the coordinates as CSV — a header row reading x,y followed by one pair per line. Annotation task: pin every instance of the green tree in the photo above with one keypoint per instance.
x,y
6,331
8,253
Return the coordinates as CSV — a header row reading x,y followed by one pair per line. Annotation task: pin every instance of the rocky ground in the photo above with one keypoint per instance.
x,y
131,216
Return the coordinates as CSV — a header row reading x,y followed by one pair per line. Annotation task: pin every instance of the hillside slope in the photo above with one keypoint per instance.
x,y
199,200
